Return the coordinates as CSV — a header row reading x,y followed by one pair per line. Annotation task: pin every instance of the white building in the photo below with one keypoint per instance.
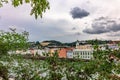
x,y
83,51
113,46
102,47
69,54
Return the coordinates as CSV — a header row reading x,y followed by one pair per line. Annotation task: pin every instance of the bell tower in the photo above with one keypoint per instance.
x,y
77,44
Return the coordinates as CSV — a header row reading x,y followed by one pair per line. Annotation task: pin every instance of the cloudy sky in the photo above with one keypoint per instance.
x,y
67,20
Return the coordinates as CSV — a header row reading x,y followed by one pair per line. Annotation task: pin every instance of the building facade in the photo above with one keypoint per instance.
x,y
83,53
69,54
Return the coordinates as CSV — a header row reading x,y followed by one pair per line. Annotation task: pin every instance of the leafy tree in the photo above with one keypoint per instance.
x,y
38,6
12,41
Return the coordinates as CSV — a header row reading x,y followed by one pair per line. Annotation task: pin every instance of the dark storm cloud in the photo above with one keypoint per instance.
x,y
77,12
103,25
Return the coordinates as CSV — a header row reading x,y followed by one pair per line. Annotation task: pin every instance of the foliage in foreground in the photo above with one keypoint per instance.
x,y
54,68
102,67
38,6
11,41
21,69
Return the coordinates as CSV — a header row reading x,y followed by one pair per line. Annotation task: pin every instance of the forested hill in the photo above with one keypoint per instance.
x,y
53,42
72,44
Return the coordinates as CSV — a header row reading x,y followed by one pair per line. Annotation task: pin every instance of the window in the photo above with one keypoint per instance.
x,y
88,54
88,57
75,53
83,52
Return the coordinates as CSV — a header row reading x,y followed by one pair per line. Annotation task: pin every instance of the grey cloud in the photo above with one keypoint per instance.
x,y
78,33
97,30
114,34
101,18
111,21
103,25
74,28
77,12
49,30
115,27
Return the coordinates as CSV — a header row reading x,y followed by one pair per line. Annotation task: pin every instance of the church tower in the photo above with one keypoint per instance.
x,y
77,44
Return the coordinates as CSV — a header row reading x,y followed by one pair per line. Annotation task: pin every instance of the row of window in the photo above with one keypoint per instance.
x,y
83,57
82,53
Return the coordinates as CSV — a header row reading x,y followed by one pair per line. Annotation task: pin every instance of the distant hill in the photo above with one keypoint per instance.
x,y
58,43
53,43
73,44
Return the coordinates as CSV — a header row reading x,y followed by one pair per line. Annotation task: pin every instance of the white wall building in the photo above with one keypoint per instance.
x,y
83,53
102,47
113,46
69,54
